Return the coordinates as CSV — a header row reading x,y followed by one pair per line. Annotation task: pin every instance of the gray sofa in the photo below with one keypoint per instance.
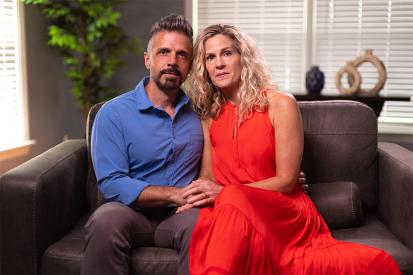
x,y
363,189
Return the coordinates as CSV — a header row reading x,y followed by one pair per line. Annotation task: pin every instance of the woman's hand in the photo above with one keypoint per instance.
x,y
303,182
184,207
201,192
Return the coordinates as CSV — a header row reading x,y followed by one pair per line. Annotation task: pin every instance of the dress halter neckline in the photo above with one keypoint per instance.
x,y
232,105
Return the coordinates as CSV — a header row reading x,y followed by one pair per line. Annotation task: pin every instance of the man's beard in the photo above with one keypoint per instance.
x,y
171,83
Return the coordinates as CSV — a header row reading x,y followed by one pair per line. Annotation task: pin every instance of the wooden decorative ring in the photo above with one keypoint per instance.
x,y
355,75
369,57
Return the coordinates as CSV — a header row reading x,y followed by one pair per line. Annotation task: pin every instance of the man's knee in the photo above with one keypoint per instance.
x,y
186,220
107,218
176,231
114,222
187,223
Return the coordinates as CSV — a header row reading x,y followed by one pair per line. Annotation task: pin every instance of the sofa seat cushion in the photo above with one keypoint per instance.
x,y
64,257
374,233
154,260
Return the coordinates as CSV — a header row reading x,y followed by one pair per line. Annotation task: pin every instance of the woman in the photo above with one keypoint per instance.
x,y
261,222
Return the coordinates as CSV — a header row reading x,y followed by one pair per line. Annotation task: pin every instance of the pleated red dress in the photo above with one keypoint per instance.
x,y
255,231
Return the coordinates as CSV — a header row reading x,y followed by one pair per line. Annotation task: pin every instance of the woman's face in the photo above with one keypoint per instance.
x,y
223,63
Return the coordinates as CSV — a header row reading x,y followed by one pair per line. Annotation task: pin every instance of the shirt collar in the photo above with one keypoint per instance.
x,y
143,102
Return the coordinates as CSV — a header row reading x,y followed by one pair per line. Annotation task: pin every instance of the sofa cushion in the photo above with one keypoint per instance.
x,y
154,260
64,257
374,233
340,144
338,202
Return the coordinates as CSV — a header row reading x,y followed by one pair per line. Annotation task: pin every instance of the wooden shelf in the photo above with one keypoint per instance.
x,y
375,102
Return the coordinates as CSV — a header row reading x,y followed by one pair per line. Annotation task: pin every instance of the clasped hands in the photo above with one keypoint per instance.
x,y
200,192
203,192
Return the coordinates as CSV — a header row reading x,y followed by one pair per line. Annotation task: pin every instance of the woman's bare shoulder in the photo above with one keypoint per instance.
x,y
278,99
206,122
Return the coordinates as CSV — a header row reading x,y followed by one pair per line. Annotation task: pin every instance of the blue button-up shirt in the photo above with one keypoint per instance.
x,y
136,144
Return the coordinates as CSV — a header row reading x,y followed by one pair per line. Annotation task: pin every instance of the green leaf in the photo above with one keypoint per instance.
x,y
107,18
73,74
77,92
92,8
53,12
94,60
62,39
35,2
69,60
93,33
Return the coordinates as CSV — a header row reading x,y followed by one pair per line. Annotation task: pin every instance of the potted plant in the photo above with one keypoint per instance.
x,y
91,43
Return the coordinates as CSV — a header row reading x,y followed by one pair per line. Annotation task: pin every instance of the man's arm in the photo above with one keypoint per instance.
x,y
111,162
153,196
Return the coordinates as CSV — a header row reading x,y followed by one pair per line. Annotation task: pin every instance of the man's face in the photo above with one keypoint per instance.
x,y
168,59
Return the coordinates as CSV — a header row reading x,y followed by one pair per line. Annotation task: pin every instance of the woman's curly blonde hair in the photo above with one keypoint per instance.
x,y
206,98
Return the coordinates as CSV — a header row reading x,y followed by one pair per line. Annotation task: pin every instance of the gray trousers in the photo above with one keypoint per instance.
x,y
114,230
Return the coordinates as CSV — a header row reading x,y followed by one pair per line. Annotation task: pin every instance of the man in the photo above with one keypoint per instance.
x,y
146,146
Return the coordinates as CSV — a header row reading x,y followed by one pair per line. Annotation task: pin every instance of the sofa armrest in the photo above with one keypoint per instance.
x,y
40,201
395,201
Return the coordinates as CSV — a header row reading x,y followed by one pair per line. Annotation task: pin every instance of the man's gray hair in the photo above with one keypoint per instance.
x,y
172,23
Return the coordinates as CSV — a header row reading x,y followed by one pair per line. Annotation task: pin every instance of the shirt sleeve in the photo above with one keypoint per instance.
x,y
111,161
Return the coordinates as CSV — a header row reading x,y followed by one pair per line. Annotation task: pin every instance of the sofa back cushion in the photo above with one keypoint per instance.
x,y
340,144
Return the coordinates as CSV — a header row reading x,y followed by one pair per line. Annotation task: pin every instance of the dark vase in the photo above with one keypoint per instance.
x,y
314,80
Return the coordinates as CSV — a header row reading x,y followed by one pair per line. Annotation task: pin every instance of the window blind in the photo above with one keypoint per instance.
x,y
345,28
11,96
278,28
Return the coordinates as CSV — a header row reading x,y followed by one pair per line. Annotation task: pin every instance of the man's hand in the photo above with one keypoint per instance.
x,y
303,181
201,192
176,196
155,196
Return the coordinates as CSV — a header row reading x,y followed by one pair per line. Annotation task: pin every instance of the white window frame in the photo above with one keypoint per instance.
x,y
23,147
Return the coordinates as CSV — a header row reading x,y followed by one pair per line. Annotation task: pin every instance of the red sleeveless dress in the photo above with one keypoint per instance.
x,y
256,232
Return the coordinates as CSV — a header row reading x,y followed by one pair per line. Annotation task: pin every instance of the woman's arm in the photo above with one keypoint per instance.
x,y
289,143
204,190
206,161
